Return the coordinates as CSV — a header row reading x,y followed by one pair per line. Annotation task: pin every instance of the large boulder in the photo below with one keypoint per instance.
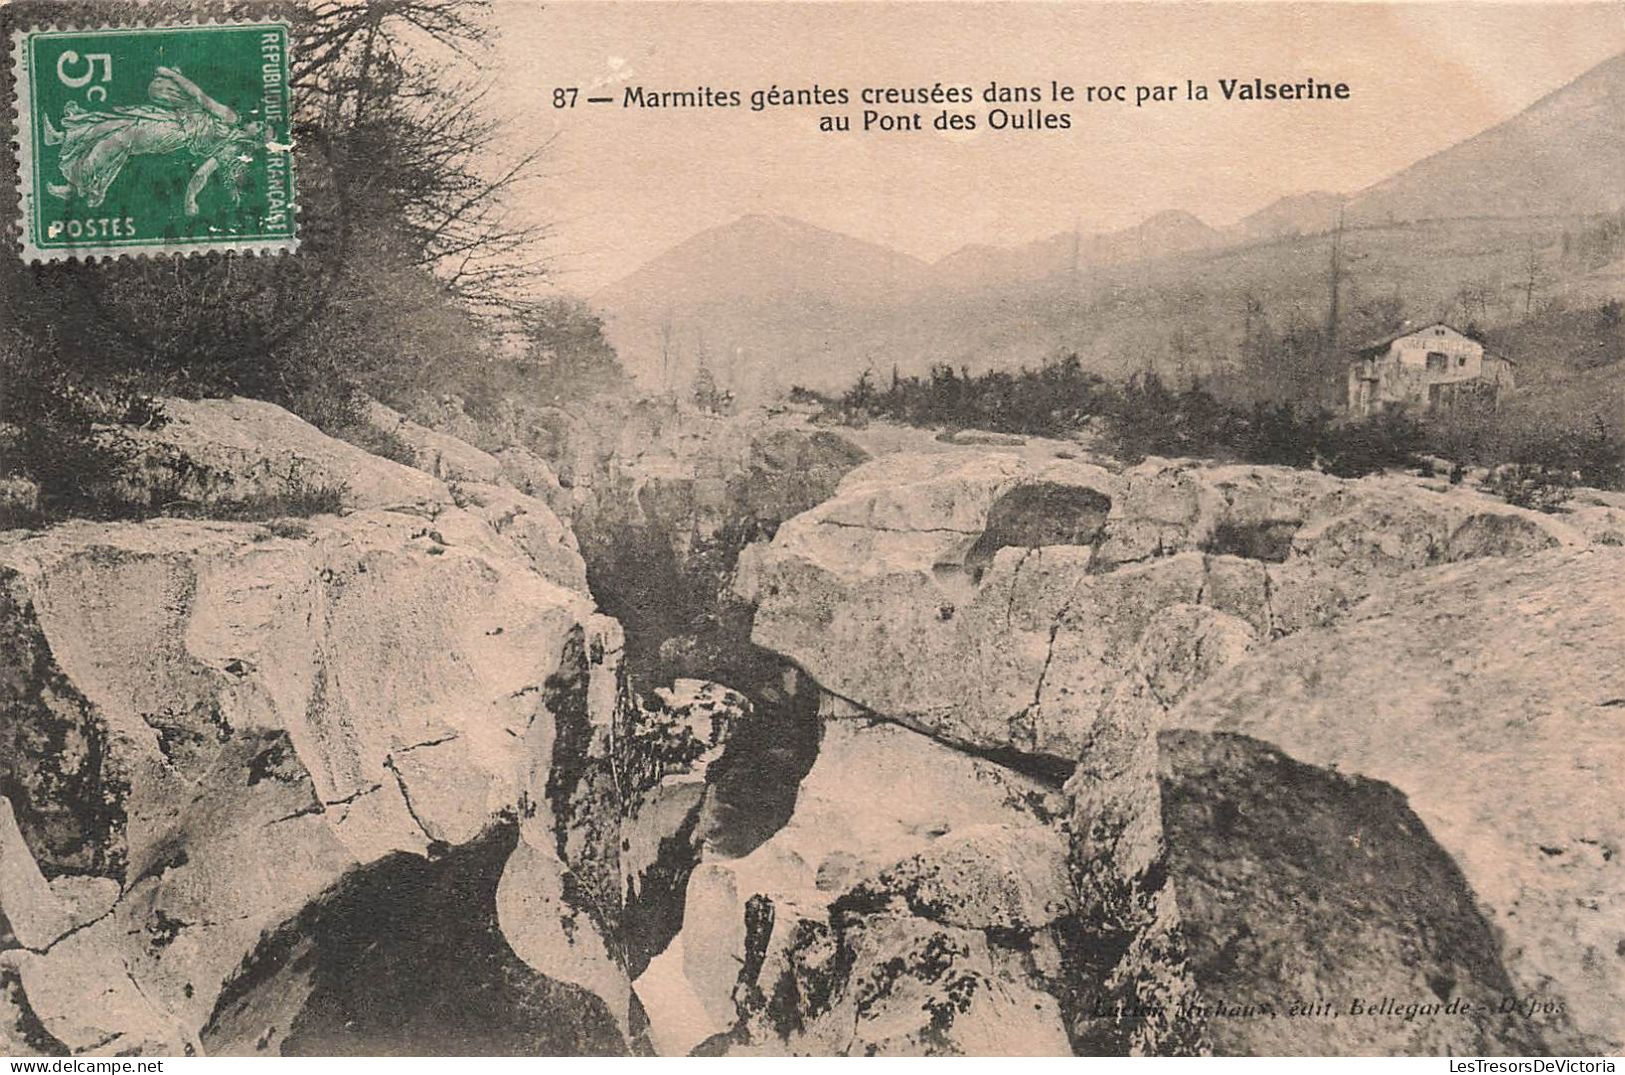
x,y
1169,506
1053,614
530,474
243,458
996,602
530,526
963,597
515,493
246,453
931,922
1489,694
1382,524
220,720
1371,530
446,457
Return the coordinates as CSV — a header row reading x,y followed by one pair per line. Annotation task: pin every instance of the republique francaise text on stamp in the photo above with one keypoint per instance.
x,y
154,140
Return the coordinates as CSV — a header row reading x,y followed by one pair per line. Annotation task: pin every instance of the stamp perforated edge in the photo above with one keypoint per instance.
x,y
22,147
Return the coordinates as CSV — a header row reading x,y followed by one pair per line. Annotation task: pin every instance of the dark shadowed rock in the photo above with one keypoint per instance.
x,y
1303,886
1498,535
1042,513
406,958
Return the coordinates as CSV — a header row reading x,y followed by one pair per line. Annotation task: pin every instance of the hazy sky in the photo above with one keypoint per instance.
x,y
626,184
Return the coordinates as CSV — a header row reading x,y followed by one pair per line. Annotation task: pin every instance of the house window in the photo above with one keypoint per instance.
x,y
1461,360
1438,361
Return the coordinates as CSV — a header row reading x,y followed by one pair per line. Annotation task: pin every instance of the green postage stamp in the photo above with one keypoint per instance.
x,y
154,140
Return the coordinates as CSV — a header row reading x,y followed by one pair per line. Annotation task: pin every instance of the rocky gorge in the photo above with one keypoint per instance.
x,y
660,732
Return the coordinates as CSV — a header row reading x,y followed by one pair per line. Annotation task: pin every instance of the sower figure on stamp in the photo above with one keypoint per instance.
x,y
96,145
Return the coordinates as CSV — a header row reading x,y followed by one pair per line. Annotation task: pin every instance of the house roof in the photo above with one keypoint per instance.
x,y
1376,346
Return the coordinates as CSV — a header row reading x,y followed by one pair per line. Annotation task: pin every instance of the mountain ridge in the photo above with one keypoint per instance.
x,y
1562,155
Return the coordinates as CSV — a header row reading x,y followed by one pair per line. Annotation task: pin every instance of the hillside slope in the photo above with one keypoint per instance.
x,y
1563,155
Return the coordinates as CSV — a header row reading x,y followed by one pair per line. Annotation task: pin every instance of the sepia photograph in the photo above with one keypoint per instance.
x,y
766,528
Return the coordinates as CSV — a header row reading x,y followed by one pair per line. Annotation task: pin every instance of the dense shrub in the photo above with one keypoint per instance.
x,y
380,442
1051,400
1532,485
301,500
566,355
61,433
1385,441
1283,435
1589,454
1140,417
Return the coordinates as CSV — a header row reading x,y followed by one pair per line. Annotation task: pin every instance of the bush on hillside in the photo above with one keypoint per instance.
x,y
1532,485
1052,400
61,434
299,500
1388,440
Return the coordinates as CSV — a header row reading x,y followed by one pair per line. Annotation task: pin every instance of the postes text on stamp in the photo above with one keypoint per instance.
x,y
155,140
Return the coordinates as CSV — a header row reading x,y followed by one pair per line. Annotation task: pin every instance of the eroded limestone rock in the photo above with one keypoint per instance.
x,y
664,761
994,602
236,741
212,451
222,722
1303,891
1489,694
912,904
446,457
531,526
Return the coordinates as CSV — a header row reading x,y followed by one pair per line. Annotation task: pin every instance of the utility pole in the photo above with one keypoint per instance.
x,y
667,352
1335,285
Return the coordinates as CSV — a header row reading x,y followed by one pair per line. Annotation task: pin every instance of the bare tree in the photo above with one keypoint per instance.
x,y
1533,273
415,146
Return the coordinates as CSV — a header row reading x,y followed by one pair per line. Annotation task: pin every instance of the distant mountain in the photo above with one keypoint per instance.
x,y
770,301
762,257
1562,156
1163,235
754,300
1295,214
983,265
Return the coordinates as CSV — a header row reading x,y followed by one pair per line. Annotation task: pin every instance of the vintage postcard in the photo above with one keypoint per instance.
x,y
781,529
